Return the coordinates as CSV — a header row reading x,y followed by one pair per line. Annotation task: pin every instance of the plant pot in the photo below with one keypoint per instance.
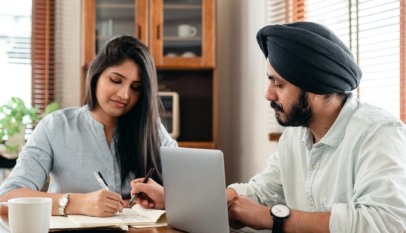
x,y
12,141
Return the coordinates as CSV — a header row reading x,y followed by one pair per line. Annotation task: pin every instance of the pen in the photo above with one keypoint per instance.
x,y
144,181
101,180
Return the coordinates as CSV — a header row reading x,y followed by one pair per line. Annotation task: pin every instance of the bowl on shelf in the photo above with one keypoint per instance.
x,y
171,55
188,54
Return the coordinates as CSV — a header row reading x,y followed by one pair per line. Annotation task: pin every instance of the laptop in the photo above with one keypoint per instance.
x,y
195,196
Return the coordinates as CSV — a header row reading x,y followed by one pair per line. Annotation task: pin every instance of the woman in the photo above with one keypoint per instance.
x,y
117,133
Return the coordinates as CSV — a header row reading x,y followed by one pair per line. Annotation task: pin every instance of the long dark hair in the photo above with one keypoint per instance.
x,y
136,135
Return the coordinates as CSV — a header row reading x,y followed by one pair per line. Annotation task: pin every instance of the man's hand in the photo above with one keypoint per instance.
x,y
243,212
150,194
101,203
230,193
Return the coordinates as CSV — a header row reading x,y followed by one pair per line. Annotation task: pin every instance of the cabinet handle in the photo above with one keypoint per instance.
x,y
139,32
158,31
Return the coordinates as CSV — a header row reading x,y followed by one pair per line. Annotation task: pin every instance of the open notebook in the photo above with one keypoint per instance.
x,y
135,216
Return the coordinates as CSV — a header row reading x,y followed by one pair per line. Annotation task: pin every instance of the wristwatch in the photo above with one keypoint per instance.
x,y
63,202
279,213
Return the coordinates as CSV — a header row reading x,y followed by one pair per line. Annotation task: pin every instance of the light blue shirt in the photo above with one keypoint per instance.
x,y
357,171
69,146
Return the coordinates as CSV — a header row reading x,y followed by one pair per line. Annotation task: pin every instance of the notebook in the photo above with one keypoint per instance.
x,y
195,196
135,216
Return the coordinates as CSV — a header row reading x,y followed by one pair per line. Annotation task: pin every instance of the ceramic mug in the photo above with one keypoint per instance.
x,y
28,214
186,30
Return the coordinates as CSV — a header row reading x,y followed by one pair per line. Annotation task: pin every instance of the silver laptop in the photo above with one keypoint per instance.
x,y
195,196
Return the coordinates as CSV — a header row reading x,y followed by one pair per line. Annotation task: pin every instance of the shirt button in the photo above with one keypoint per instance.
x,y
311,204
314,166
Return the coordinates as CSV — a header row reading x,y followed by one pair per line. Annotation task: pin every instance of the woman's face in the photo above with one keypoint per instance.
x,y
118,89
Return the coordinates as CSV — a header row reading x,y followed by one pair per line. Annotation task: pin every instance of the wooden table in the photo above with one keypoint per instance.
x,y
166,229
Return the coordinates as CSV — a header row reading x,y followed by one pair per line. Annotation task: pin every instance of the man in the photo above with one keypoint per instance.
x,y
340,164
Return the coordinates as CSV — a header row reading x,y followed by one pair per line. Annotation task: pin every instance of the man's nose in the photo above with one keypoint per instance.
x,y
270,93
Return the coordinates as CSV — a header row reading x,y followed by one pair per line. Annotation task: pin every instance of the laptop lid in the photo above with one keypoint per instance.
x,y
195,196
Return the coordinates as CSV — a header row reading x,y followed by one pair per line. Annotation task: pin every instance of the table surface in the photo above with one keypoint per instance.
x,y
166,229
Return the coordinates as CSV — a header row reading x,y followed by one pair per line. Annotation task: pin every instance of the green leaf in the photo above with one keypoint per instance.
x,y
15,113
12,149
50,108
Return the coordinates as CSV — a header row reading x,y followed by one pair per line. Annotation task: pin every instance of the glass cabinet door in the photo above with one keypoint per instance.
x,y
113,18
105,19
181,31
182,28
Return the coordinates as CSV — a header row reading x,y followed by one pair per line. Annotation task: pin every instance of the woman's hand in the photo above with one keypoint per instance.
x,y
101,203
150,194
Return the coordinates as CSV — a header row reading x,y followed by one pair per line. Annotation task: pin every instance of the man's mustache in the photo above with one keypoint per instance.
x,y
277,107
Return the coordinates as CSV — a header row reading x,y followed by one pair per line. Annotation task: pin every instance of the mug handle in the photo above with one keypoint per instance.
x,y
3,224
193,31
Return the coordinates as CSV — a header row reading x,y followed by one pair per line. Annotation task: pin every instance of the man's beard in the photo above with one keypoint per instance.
x,y
300,114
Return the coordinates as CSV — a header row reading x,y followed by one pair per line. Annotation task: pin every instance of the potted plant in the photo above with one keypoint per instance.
x,y
14,116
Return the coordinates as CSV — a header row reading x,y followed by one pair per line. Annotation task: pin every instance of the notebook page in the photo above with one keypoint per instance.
x,y
128,217
59,223
152,214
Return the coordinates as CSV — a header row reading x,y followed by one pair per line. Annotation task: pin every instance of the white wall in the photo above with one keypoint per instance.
x,y
242,81
67,52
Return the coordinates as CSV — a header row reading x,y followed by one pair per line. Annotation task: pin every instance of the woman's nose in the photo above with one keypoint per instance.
x,y
123,92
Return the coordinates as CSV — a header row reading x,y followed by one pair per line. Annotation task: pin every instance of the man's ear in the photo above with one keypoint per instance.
x,y
317,100
311,97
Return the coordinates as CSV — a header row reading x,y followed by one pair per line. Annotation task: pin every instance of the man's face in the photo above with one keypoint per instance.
x,y
290,103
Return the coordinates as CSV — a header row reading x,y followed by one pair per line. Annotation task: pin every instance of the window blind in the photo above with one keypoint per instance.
x,y
335,14
280,12
371,29
276,13
42,53
402,68
378,52
295,10
15,50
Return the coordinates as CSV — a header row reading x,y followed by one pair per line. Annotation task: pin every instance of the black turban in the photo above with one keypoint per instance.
x,y
310,56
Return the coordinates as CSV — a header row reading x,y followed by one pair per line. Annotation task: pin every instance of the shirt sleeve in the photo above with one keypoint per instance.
x,y
166,139
33,164
264,188
379,199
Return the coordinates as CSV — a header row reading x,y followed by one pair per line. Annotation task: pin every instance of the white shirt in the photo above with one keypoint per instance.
x,y
357,171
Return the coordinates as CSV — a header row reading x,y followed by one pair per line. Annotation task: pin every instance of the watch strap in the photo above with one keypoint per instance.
x,y
277,225
62,207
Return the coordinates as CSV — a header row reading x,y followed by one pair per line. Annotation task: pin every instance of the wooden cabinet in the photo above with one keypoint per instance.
x,y
182,33
181,38
104,19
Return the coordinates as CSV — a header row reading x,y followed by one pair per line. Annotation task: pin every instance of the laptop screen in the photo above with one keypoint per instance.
x,y
195,196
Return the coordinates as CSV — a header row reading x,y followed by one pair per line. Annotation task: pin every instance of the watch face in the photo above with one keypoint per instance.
x,y
280,211
63,201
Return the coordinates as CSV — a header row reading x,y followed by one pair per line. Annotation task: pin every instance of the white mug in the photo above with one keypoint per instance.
x,y
28,214
186,30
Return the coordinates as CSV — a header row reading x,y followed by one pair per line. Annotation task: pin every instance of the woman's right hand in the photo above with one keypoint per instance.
x,y
150,194
101,203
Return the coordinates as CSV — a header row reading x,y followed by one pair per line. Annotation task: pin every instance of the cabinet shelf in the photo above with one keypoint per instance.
x,y
274,136
179,7
204,145
117,6
104,37
176,38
